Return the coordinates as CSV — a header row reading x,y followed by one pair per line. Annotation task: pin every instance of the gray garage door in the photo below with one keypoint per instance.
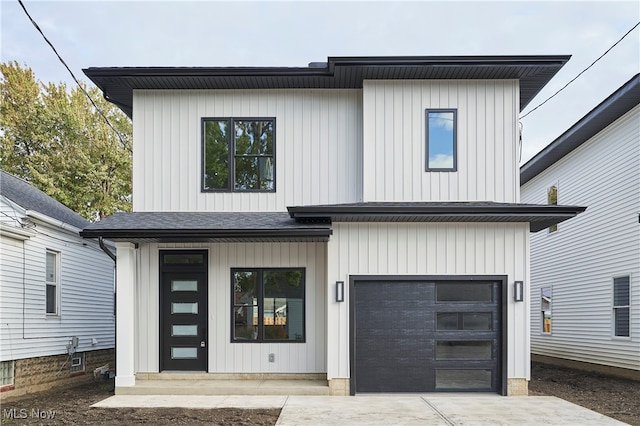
x,y
426,336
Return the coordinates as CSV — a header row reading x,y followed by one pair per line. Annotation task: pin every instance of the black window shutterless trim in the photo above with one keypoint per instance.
x,y
231,155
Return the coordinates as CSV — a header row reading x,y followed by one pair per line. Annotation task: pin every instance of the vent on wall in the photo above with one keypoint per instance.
x,y
77,362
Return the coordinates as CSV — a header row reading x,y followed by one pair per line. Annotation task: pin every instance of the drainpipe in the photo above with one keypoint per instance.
x,y
105,249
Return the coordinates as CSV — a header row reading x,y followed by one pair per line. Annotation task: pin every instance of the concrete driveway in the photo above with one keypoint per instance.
x,y
442,409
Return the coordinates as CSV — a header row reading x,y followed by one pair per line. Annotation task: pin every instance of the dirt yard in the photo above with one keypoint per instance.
x,y
613,397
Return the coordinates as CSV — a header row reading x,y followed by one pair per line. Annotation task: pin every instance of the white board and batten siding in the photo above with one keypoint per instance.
x,y
86,298
428,249
224,356
487,144
318,147
580,260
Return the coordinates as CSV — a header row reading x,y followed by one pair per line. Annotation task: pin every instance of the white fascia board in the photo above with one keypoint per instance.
x,y
15,232
32,214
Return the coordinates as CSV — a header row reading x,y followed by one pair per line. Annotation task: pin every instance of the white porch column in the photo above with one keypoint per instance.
x,y
125,314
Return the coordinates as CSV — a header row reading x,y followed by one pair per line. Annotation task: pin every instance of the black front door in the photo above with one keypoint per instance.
x,y
183,310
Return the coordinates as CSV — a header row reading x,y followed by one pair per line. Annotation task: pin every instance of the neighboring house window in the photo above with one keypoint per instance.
x,y
441,143
238,154
268,305
545,307
53,283
552,200
6,373
621,306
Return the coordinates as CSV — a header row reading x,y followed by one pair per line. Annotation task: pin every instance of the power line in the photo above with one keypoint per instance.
x,y
124,144
583,71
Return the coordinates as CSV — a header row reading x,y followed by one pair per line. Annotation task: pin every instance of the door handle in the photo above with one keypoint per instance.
x,y
202,344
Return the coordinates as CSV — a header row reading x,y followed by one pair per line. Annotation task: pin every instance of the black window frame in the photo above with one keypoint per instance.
x,y
260,296
455,140
231,178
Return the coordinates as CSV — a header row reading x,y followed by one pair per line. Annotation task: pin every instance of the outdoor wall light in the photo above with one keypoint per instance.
x,y
339,291
518,291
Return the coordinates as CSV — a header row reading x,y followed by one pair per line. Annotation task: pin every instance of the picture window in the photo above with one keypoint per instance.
x,y
238,154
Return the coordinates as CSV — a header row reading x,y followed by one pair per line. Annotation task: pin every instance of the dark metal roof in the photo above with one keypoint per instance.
x,y
204,226
534,72
29,197
608,111
539,216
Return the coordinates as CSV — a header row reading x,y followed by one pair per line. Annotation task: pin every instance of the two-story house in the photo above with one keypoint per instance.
x,y
585,285
357,221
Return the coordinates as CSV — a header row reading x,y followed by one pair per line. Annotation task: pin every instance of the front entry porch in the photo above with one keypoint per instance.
x,y
186,383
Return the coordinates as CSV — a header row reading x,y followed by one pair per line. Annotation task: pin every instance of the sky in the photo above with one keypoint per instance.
x,y
295,33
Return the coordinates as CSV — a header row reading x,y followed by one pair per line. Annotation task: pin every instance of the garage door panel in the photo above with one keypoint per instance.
x,y
421,336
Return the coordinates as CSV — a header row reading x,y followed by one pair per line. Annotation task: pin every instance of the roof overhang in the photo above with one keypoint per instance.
x,y
142,227
615,106
539,217
533,73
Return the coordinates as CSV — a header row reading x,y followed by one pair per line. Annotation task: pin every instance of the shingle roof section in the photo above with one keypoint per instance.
x,y
615,106
533,72
29,197
205,226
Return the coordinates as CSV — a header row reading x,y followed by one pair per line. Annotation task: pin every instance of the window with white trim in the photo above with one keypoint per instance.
x,y
552,200
545,308
621,304
53,283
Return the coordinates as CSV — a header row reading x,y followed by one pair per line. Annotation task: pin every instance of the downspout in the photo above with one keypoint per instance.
x,y
109,253
105,249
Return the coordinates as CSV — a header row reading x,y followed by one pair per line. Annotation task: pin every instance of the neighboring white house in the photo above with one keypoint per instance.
x,y
56,293
357,221
585,274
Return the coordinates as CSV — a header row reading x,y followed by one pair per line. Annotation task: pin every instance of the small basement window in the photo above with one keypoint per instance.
x,y
77,362
7,372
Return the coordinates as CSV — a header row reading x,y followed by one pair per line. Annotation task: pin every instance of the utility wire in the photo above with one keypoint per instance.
x,y
583,71
124,144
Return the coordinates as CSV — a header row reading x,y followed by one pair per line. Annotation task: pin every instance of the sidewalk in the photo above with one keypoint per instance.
x,y
442,409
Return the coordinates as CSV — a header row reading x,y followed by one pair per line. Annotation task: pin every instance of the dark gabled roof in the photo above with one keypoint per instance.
x,y
205,226
31,198
539,216
534,72
609,110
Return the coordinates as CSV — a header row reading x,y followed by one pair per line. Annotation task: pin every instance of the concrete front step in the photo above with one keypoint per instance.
x,y
185,386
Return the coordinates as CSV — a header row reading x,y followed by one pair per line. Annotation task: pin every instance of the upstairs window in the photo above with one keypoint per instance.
x,y
238,154
52,283
621,306
552,200
441,140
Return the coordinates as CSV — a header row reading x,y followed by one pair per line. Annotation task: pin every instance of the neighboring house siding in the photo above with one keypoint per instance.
x,y
428,249
318,147
86,300
487,143
580,260
224,356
